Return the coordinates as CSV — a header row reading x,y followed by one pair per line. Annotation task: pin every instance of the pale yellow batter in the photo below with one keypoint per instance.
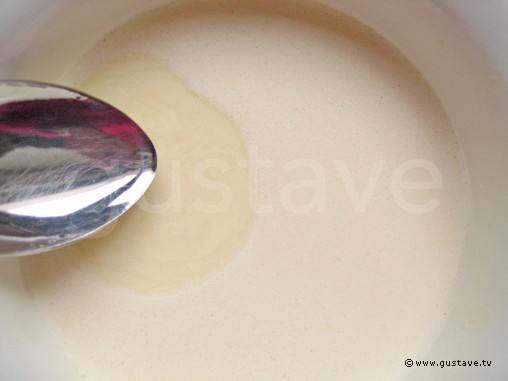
x,y
344,290
196,214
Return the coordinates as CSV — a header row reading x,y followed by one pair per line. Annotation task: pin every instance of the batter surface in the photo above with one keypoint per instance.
x,y
336,279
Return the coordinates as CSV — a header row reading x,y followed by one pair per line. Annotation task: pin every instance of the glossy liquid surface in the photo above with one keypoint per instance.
x,y
340,277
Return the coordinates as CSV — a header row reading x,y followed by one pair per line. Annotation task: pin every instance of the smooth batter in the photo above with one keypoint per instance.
x,y
331,293
194,217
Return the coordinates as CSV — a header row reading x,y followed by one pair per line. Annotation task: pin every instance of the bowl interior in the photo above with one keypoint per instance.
x,y
459,47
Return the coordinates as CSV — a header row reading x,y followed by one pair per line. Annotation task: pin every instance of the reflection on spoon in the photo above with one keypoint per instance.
x,y
69,164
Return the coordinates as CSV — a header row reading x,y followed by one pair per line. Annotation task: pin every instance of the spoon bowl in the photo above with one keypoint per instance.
x,y
69,165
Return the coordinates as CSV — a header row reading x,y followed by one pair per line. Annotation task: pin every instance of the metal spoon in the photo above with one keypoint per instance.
x,y
69,165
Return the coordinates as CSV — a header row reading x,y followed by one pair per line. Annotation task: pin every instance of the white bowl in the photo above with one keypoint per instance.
x,y
470,77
